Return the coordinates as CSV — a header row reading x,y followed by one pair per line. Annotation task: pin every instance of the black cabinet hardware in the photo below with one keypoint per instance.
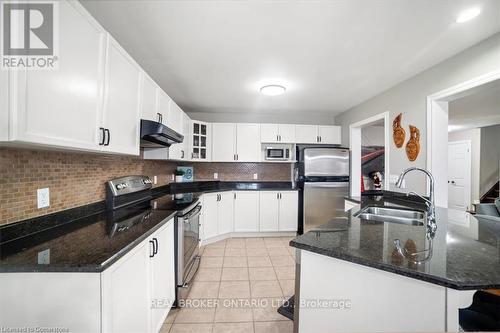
x,y
152,252
108,133
155,240
103,136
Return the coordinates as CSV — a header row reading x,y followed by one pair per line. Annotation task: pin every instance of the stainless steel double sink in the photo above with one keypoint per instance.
x,y
393,215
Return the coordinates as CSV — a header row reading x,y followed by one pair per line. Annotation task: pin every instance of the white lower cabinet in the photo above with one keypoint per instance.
x,y
246,211
125,294
278,211
217,214
139,289
162,277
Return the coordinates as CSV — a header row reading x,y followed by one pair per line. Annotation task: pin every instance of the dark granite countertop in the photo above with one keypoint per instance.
x,y
466,252
81,239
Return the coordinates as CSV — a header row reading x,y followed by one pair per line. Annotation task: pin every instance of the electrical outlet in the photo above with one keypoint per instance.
x,y
44,257
255,176
172,178
216,175
43,197
155,205
155,180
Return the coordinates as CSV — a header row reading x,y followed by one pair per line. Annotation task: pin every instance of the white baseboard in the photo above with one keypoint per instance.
x,y
248,234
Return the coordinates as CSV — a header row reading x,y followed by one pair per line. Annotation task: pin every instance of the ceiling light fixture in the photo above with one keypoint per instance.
x,y
272,90
468,14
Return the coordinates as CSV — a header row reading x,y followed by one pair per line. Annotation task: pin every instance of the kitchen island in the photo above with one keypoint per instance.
x,y
351,278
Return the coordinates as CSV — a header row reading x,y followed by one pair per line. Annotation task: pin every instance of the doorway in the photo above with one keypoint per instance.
x,y
437,125
369,143
459,175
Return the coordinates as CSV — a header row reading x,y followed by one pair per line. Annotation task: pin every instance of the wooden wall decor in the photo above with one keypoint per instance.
x,y
399,134
413,145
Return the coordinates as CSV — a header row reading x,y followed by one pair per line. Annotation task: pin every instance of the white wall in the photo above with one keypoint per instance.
x,y
229,117
410,96
474,136
373,136
490,155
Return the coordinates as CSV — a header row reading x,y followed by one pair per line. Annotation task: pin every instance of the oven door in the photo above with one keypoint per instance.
x,y
188,249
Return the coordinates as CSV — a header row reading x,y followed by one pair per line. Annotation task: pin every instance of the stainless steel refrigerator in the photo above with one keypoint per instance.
x,y
322,175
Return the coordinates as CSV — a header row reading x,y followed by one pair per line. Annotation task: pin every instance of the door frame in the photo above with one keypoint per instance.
x,y
437,138
355,146
468,196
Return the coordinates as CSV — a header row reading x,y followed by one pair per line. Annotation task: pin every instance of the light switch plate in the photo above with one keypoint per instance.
x,y
43,197
255,176
216,175
155,180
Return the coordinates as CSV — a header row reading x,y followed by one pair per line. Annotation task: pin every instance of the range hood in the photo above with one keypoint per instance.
x,y
157,135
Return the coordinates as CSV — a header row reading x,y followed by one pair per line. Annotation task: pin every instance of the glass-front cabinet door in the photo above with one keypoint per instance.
x,y
201,144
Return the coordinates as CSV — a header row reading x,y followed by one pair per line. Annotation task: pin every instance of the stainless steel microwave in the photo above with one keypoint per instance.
x,y
279,154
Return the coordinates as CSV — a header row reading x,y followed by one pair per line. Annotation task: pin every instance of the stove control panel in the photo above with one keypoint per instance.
x,y
129,184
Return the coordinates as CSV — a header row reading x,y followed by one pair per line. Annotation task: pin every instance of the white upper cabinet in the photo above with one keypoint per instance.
x,y
163,105
174,117
200,140
224,142
246,211
179,151
287,133
149,102
317,134
121,117
329,134
277,133
248,147
306,134
62,107
269,133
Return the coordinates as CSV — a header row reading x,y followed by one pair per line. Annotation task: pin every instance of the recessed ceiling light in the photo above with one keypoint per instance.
x,y
468,14
272,90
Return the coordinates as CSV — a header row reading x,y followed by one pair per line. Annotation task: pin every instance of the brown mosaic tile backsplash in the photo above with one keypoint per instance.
x,y
77,179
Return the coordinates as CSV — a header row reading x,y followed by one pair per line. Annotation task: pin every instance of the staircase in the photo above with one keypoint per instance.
x,y
492,194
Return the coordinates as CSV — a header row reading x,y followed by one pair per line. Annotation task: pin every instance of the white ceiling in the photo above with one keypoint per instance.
x,y
212,56
479,109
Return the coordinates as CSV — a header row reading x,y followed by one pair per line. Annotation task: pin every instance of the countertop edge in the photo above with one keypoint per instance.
x,y
391,269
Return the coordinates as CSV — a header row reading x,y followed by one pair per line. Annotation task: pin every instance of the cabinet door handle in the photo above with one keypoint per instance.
x,y
103,136
106,131
237,157
277,137
320,138
234,195
155,240
182,151
277,196
152,253
280,137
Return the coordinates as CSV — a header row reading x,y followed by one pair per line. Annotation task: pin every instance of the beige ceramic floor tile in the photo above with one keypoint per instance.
x,y
254,242
235,262
288,287
234,274
261,273
171,316
221,243
233,310
266,309
278,251
265,289
282,261
234,289
235,252
285,272
191,328
211,262
235,243
213,252
195,315
233,328
165,328
259,261
208,274
274,327
204,290
257,251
